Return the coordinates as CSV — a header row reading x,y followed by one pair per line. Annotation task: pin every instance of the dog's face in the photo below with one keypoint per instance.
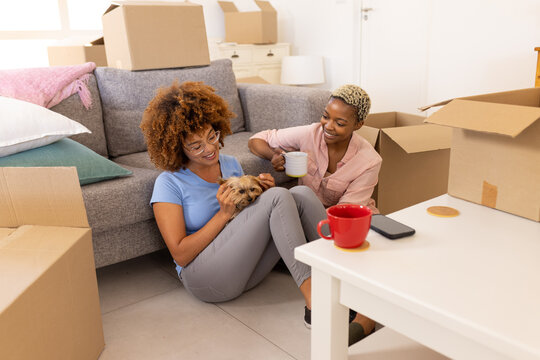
x,y
245,189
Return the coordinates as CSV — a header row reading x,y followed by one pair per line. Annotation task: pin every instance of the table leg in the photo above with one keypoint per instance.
x,y
329,319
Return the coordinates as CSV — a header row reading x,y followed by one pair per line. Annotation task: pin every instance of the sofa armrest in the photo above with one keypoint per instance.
x,y
278,106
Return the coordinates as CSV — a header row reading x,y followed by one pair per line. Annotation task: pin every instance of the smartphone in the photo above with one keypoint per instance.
x,y
390,228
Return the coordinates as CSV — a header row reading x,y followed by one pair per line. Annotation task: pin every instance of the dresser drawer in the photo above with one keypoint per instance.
x,y
251,60
237,55
270,53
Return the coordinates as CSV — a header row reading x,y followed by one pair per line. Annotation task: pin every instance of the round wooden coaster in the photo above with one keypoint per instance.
x,y
365,245
442,211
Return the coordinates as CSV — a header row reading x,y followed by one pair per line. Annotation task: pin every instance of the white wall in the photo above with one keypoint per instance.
x,y
407,54
312,27
410,53
325,28
394,54
482,46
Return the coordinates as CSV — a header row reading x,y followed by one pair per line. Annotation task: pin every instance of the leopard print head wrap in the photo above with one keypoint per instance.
x,y
354,95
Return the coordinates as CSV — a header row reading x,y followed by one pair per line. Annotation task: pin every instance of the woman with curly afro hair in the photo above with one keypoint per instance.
x,y
217,258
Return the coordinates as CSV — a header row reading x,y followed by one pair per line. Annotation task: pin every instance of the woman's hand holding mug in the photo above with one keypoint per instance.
x,y
278,160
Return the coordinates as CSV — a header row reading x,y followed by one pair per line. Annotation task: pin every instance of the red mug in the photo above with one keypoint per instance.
x,y
349,225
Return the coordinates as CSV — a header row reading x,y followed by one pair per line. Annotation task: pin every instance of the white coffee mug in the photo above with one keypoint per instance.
x,y
296,163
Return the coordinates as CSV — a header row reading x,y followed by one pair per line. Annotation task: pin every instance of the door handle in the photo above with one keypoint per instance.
x,y
365,12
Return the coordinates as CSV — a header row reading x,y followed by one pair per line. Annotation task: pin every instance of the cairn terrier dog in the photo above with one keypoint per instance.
x,y
245,190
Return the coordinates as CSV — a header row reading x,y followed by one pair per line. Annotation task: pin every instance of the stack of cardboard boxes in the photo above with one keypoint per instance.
x,y
69,54
156,35
246,34
143,35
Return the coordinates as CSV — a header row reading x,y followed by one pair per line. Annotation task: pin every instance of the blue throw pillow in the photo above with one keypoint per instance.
x,y
91,167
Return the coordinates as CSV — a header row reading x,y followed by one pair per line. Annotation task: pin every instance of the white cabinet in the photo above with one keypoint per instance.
x,y
254,60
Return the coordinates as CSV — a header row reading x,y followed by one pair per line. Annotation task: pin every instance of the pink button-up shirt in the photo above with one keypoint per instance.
x,y
356,175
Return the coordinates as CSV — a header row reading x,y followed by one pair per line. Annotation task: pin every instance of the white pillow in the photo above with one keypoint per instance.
x,y
25,126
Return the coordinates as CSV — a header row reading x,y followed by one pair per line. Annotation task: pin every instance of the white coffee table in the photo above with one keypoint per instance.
x,y
467,287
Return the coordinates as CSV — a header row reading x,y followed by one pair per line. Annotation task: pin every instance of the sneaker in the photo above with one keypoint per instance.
x,y
357,333
307,316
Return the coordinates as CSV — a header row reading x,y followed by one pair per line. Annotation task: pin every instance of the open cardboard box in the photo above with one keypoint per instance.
x,y
250,27
49,304
495,157
143,35
73,54
415,159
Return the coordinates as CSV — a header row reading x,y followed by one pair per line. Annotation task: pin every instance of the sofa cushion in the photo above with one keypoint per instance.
x,y
278,106
91,167
125,94
25,125
73,108
140,159
121,201
126,242
235,145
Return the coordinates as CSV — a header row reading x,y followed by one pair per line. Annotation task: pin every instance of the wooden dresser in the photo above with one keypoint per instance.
x,y
251,60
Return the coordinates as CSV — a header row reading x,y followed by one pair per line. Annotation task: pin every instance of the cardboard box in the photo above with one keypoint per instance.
x,y
155,35
78,54
250,27
495,157
252,80
415,159
49,304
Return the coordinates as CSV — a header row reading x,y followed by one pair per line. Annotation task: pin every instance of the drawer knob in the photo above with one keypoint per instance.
x,y
270,53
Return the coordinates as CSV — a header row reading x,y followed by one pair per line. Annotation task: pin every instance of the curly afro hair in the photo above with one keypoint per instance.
x,y
177,112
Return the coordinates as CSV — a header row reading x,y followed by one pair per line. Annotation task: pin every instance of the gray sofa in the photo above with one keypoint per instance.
x,y
119,213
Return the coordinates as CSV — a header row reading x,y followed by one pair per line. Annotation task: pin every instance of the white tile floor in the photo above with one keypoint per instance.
x,y
147,314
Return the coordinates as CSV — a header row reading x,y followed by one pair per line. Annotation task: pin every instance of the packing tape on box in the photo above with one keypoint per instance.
x,y
489,194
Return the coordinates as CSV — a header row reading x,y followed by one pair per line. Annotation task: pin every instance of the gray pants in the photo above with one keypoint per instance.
x,y
249,247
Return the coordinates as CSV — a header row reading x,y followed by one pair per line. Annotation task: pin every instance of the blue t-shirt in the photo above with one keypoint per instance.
x,y
196,196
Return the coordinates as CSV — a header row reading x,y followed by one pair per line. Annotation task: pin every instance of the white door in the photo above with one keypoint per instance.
x,y
393,51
